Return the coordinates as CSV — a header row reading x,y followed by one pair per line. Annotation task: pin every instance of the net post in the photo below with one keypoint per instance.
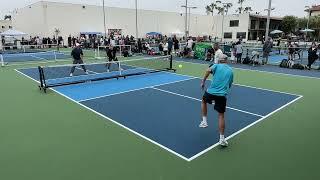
x,y
171,64
120,50
55,56
98,52
2,61
120,69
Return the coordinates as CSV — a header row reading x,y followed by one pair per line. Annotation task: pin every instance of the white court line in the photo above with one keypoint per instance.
x,y
285,74
87,70
165,148
138,89
245,128
113,121
188,97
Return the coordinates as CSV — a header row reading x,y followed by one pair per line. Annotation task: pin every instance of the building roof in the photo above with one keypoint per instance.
x,y
265,17
314,8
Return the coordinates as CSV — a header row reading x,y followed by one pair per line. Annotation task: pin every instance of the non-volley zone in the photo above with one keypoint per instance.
x,y
164,108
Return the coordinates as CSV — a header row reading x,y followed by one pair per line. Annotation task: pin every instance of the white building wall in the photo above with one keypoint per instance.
x,y
5,25
31,20
315,13
43,17
218,31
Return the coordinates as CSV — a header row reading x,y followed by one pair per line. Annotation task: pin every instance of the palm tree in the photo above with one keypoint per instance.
x,y
227,7
210,8
220,10
247,9
240,9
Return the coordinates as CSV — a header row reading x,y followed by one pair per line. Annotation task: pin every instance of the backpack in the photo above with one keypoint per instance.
x,y
246,61
284,63
298,66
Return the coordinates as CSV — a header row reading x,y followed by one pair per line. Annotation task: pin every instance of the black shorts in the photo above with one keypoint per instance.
x,y
220,102
77,61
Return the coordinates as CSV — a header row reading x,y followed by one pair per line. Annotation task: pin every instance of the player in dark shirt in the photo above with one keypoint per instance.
x,y
77,55
112,57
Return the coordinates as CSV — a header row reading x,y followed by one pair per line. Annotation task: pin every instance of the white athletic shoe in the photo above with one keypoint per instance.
x,y
223,143
108,70
71,75
87,73
203,124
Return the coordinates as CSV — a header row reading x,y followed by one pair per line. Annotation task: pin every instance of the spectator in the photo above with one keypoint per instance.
x,y
176,45
239,51
312,55
217,53
69,41
165,48
267,47
170,46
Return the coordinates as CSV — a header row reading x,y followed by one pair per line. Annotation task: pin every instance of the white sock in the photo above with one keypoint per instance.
x,y
204,119
221,137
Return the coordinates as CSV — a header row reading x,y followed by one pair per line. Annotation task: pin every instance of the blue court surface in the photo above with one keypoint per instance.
x,y
164,108
36,56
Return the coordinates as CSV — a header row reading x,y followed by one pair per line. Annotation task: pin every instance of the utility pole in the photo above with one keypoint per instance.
x,y
187,24
268,21
186,20
137,30
104,20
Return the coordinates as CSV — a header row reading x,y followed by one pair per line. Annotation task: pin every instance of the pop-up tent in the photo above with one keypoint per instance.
x,y
12,32
153,34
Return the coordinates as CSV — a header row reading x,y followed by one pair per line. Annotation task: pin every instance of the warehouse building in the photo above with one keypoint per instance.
x,y
43,18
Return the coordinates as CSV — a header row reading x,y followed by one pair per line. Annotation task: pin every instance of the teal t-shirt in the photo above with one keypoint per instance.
x,y
221,81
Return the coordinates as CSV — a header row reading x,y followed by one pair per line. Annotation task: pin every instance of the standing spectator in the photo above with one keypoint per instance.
x,y
291,51
176,45
139,46
69,41
266,50
165,48
190,44
170,46
217,53
239,51
73,41
312,55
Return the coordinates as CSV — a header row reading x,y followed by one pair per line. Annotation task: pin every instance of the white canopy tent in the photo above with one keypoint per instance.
x,y
12,32
276,32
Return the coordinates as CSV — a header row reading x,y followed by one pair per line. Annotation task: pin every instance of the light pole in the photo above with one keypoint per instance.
x,y
309,14
137,30
104,20
190,17
186,19
268,21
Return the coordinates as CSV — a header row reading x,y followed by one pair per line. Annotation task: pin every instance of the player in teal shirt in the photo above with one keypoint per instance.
x,y
220,86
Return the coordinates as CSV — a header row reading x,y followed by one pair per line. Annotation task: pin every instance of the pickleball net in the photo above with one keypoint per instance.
x,y
54,76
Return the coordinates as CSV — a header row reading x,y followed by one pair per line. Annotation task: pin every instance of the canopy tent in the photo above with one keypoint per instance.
x,y
276,32
177,33
90,33
12,32
307,30
153,34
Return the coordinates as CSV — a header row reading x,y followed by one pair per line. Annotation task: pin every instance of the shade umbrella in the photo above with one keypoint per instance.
x,y
276,32
307,30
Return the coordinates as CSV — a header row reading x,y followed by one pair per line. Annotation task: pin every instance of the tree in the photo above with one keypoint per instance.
x,y
227,7
240,9
289,24
7,17
220,10
247,9
302,23
211,8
